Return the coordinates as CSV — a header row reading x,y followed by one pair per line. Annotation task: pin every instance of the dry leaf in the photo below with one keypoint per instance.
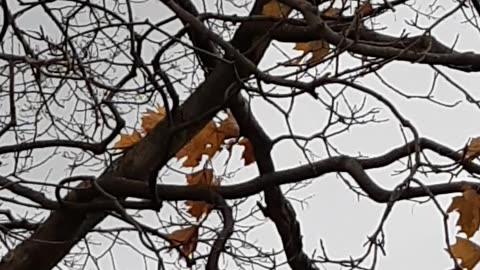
x,y
208,141
127,141
203,178
248,154
186,239
331,12
466,251
473,149
318,48
276,9
365,9
151,118
468,206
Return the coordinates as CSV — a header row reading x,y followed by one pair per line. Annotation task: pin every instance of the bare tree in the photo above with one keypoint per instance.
x,y
77,73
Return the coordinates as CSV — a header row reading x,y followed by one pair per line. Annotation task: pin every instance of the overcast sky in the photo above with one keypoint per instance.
x,y
415,237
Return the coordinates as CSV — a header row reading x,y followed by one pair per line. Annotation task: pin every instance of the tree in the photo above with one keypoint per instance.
x,y
178,87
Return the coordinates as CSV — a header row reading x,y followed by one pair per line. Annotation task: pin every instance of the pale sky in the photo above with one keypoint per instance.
x,y
414,232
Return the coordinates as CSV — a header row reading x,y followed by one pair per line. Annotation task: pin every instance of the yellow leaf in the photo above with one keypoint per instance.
x,y
473,149
127,141
466,251
365,9
276,9
248,154
151,118
468,206
186,239
318,48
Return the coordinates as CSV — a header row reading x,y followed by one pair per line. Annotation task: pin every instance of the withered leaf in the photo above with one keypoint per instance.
x,y
473,149
186,239
466,251
127,141
468,206
318,48
203,178
276,9
248,154
151,118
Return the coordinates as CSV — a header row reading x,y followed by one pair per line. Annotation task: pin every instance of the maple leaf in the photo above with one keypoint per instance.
x,y
127,141
276,9
186,239
365,9
208,141
318,48
473,149
151,118
468,206
203,178
248,154
331,12
466,251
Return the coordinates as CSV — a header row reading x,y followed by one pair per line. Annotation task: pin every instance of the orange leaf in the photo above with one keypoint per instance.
x,y
208,141
276,9
466,251
151,118
473,149
195,149
318,48
248,154
468,206
203,178
365,9
127,141
186,239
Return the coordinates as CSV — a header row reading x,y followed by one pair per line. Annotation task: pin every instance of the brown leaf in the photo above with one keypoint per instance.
x,y
468,206
197,209
203,178
473,149
127,141
331,12
276,9
208,141
186,239
466,251
195,149
365,9
229,127
151,118
318,48
248,154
